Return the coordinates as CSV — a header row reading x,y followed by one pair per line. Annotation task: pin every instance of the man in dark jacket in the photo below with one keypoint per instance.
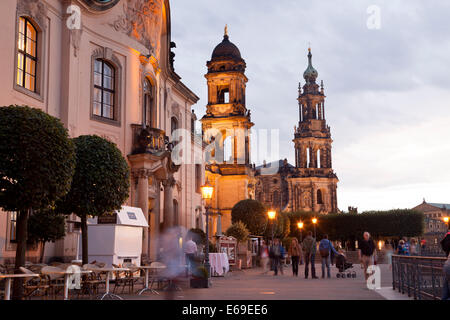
x,y
276,253
367,253
309,247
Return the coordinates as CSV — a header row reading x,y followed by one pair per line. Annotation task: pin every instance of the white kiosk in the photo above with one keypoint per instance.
x,y
117,238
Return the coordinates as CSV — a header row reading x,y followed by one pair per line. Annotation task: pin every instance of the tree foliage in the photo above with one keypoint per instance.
x,y
346,226
46,226
100,184
252,213
281,226
239,231
37,161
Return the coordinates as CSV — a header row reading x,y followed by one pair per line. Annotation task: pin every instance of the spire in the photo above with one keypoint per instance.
x,y
225,33
310,73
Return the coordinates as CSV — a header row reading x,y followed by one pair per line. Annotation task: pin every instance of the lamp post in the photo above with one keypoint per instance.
x,y
446,220
272,215
300,227
207,191
314,221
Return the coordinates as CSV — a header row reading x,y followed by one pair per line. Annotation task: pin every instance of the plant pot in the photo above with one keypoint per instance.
x,y
200,283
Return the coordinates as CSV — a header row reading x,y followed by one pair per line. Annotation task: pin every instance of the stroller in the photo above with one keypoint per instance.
x,y
342,265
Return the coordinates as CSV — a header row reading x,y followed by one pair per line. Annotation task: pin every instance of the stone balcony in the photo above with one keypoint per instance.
x,y
148,140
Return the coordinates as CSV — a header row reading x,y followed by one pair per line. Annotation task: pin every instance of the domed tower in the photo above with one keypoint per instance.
x,y
313,187
226,130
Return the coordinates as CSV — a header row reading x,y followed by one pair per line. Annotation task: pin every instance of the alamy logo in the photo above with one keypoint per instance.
x,y
74,20
74,279
374,19
374,279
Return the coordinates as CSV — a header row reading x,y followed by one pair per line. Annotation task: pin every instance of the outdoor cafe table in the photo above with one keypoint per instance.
x,y
9,277
219,263
147,270
66,275
108,272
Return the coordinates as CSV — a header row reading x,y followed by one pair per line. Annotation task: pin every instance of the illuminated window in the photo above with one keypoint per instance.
x,y
149,113
103,89
26,55
13,227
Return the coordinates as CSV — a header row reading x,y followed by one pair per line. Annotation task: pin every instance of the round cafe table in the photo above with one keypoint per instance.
x,y
67,275
108,272
147,270
219,263
8,279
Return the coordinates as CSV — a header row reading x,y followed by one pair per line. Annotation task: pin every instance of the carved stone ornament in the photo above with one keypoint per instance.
x,y
100,5
142,20
36,9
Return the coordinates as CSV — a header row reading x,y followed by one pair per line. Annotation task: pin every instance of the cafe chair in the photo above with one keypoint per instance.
x,y
35,286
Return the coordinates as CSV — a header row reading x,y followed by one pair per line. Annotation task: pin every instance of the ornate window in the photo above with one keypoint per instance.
x,y
104,89
319,197
27,58
149,110
173,124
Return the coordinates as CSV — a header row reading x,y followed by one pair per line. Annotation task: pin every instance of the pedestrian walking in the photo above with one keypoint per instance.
x,y
295,251
445,243
265,257
190,251
402,248
326,250
413,247
276,253
367,253
309,247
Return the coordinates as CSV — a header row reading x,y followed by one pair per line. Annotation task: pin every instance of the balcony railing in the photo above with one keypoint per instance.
x,y
419,277
148,140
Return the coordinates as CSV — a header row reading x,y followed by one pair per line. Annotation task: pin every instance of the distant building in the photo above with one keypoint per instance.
x,y
435,227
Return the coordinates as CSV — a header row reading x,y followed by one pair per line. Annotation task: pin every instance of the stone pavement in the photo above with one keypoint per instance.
x,y
251,284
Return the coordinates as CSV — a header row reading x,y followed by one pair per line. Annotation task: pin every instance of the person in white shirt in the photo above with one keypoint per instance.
x,y
190,250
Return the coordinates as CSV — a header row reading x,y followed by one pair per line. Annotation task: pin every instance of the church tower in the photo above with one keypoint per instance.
x,y
226,130
313,186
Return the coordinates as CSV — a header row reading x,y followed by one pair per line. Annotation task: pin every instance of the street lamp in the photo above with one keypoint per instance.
x,y
314,221
272,215
446,220
300,227
207,191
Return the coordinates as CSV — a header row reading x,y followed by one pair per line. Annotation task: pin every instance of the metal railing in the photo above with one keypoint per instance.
x,y
419,277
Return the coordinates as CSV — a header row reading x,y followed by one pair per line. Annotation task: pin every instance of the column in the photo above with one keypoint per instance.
x,y
154,226
219,225
168,202
142,197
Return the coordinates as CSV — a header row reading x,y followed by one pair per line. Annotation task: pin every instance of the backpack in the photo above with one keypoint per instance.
x,y
445,243
324,248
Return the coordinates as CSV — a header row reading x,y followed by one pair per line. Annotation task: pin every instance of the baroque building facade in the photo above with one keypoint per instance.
x,y
106,67
226,132
311,184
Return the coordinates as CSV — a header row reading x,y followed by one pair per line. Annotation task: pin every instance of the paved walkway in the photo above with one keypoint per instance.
x,y
251,284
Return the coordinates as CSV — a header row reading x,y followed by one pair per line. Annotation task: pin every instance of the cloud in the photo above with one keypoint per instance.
x,y
387,89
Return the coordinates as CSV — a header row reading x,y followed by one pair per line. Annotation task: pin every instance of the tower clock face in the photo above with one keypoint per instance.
x,y
101,5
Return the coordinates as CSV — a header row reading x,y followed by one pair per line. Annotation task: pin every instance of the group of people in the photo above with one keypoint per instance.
x,y
273,254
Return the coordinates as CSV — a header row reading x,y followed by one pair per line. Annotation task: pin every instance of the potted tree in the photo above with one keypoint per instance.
x,y
239,231
200,278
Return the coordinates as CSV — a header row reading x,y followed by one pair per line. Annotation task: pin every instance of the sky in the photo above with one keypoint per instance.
x,y
386,72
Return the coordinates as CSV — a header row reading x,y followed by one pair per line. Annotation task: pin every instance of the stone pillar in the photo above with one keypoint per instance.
x,y
168,202
154,226
142,200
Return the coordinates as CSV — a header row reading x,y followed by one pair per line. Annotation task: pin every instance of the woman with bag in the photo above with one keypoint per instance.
x,y
295,251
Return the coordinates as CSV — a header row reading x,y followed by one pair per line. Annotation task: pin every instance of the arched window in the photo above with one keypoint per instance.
x,y
148,107
175,212
227,150
27,55
173,124
104,89
319,197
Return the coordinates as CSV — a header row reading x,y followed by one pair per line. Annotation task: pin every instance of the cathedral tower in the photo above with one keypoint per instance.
x,y
313,186
226,130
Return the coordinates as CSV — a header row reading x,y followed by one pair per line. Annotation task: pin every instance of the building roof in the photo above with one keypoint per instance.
x,y
440,205
276,164
226,49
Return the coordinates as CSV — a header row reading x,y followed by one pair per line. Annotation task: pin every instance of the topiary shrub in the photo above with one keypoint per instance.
x,y
239,231
252,213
